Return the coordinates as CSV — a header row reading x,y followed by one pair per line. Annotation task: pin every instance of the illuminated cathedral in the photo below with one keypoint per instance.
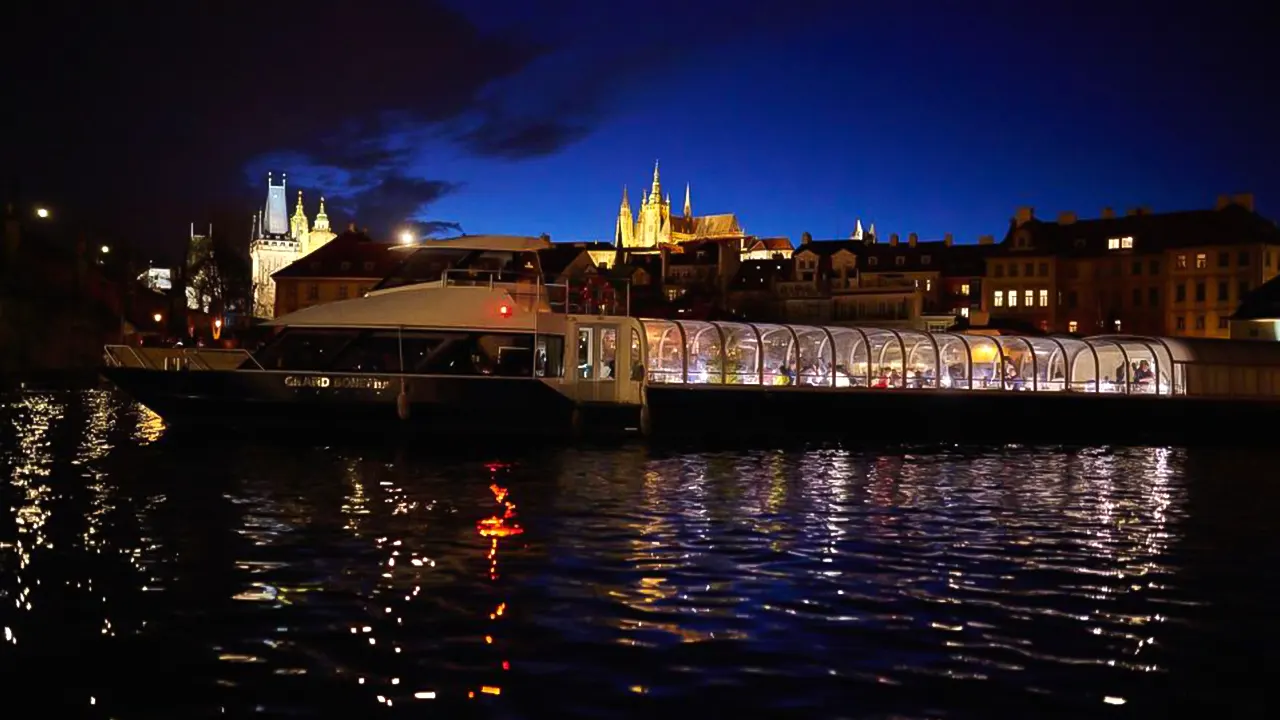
x,y
654,227
279,240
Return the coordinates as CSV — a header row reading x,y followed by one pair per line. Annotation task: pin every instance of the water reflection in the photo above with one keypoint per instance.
x,y
595,581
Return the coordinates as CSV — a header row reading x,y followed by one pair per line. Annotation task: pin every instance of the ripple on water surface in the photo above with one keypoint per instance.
x,y
192,579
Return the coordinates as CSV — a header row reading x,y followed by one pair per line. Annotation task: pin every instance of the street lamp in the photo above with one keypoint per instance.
x,y
42,213
157,317
406,237
106,249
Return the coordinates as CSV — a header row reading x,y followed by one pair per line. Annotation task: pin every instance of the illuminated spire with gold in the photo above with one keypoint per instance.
x,y
655,193
298,223
322,220
688,200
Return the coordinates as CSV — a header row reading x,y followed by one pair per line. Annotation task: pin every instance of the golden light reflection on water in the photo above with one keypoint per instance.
x,y
150,426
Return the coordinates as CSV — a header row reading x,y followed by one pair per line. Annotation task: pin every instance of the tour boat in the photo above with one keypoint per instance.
x,y
466,337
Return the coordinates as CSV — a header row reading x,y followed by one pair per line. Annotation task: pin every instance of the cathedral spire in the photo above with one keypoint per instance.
x,y
872,231
626,203
322,220
298,223
656,191
857,229
688,202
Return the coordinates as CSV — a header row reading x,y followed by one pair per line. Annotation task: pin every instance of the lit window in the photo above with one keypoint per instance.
x,y
873,261
1044,298
1113,244
1013,298
1182,262
1120,243
900,260
964,289
964,312
928,285
1029,298
1073,326
998,299
1117,326
1202,261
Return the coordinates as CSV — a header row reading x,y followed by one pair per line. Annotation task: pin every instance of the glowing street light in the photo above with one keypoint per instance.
x,y
157,317
42,213
406,238
106,249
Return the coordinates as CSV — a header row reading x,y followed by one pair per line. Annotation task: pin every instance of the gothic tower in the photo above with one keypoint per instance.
x,y
624,234
298,223
273,247
320,234
277,219
688,202
655,216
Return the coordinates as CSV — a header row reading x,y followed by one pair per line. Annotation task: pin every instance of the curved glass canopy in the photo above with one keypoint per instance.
x,y
701,352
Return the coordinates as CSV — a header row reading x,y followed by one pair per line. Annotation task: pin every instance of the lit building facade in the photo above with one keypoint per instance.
x,y
280,240
654,227
1176,274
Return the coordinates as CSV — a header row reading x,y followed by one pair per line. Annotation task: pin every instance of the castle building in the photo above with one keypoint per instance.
x,y
279,240
654,227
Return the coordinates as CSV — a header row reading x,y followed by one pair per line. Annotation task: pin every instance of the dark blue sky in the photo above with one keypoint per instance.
x,y
799,116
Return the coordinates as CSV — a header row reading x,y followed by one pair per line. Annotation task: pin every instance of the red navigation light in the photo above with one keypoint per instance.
x,y
504,310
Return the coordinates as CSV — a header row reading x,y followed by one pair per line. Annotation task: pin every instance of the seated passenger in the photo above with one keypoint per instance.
x,y
1011,377
1142,374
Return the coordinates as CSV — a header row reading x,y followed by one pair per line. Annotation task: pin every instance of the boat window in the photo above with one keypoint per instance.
x,y
373,352
463,266
608,353
305,349
549,361
585,365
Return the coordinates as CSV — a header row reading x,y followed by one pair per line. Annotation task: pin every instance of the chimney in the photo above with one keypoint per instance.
x,y
805,238
1066,218
912,239
1024,215
947,239
1223,201
986,239
1244,200
1108,213
893,239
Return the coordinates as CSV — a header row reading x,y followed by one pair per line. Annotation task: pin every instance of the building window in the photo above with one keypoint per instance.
x,y
1224,293
873,261
1031,269
1180,293
998,299
345,265
1244,290
673,294
999,270
1120,243
1013,298
964,312
368,266
924,259
313,292
1244,258
1202,261
964,289
1181,262
1199,292
364,290
900,260
1222,323
1137,267
1268,258
1199,322
1224,259
1029,298
342,292
1073,298
1073,326
1013,269
1153,297
1044,298
1180,323
1044,269
1137,297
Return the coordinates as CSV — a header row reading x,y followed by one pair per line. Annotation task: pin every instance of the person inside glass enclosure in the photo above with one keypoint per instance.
x,y
1142,374
1012,379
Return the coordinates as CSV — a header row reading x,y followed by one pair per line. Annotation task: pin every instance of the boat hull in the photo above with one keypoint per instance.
x,y
946,416
278,403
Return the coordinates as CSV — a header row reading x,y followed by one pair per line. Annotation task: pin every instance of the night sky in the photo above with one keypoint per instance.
x,y
529,117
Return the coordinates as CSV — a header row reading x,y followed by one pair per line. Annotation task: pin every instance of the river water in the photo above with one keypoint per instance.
x,y
149,576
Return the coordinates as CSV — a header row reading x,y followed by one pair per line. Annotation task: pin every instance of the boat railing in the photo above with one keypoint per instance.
x,y
178,358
